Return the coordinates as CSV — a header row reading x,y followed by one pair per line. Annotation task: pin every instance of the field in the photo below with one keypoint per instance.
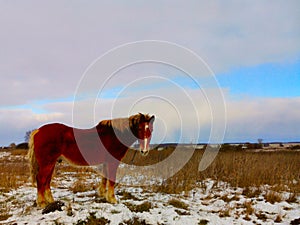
x,y
239,187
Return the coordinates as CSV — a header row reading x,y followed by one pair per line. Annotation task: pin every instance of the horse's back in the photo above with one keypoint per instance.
x,y
52,132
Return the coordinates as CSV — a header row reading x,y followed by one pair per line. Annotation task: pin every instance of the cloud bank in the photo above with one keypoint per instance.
x,y
272,119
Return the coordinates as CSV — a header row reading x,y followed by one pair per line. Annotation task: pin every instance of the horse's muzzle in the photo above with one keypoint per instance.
x,y
144,152
144,146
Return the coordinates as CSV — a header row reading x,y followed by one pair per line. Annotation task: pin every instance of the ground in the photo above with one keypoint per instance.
x,y
208,202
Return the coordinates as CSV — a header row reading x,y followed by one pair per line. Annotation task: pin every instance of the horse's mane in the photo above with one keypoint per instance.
x,y
120,124
123,124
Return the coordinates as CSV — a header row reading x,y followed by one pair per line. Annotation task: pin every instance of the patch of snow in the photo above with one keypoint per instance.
x,y
4,154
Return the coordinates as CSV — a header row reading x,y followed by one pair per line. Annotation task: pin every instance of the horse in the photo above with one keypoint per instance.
x,y
106,143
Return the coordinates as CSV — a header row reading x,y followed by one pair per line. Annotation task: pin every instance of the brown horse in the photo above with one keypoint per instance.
x,y
105,143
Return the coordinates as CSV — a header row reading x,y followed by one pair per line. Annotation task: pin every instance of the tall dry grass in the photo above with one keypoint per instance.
x,y
13,171
239,168
253,169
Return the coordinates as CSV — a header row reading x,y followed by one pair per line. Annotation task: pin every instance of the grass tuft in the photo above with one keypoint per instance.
x,y
182,212
4,211
249,210
203,222
144,207
178,204
261,216
225,212
273,197
292,198
278,219
93,220
134,221
127,195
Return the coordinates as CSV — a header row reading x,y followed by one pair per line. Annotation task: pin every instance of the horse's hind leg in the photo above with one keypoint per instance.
x,y
102,187
48,195
112,171
43,184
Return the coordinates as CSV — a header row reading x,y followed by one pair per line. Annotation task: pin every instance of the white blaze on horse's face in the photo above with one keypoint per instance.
x,y
145,131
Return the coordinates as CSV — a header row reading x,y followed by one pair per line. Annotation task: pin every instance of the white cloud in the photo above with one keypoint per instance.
x,y
15,122
274,119
46,47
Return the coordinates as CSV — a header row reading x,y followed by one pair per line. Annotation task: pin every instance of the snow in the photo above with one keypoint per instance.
x,y
205,204
4,154
82,205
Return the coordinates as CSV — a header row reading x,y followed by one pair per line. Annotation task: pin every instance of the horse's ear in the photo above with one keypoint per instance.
x,y
142,117
152,119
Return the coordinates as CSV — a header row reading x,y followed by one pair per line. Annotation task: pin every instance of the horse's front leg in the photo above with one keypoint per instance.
x,y
112,171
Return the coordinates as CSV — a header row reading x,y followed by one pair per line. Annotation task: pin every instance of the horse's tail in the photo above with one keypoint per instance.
x,y
34,167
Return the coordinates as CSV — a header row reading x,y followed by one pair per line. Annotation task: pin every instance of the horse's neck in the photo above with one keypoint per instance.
x,y
124,129
128,136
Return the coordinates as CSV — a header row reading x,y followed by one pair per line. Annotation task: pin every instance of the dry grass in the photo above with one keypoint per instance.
x,y
253,169
134,221
249,210
228,199
225,212
178,204
203,222
239,168
4,211
80,185
143,207
251,192
127,195
273,197
246,169
278,219
133,157
292,198
93,220
261,216
13,172
20,152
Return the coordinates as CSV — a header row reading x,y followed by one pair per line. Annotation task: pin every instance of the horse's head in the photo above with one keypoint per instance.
x,y
144,131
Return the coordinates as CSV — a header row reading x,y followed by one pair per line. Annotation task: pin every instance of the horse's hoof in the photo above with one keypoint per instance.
x,y
112,200
41,205
100,200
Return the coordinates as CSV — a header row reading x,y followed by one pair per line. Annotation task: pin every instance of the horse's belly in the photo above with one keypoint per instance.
x,y
84,155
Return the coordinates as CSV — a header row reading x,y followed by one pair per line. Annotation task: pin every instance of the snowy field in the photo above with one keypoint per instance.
x,y
210,202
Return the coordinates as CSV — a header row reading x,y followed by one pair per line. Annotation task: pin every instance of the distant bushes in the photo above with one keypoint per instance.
x,y
254,145
229,147
295,147
14,146
23,145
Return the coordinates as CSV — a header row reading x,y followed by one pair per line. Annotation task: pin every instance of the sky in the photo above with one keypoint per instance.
x,y
244,84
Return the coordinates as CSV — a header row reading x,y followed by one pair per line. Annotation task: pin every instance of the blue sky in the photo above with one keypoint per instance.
x,y
252,47
265,80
